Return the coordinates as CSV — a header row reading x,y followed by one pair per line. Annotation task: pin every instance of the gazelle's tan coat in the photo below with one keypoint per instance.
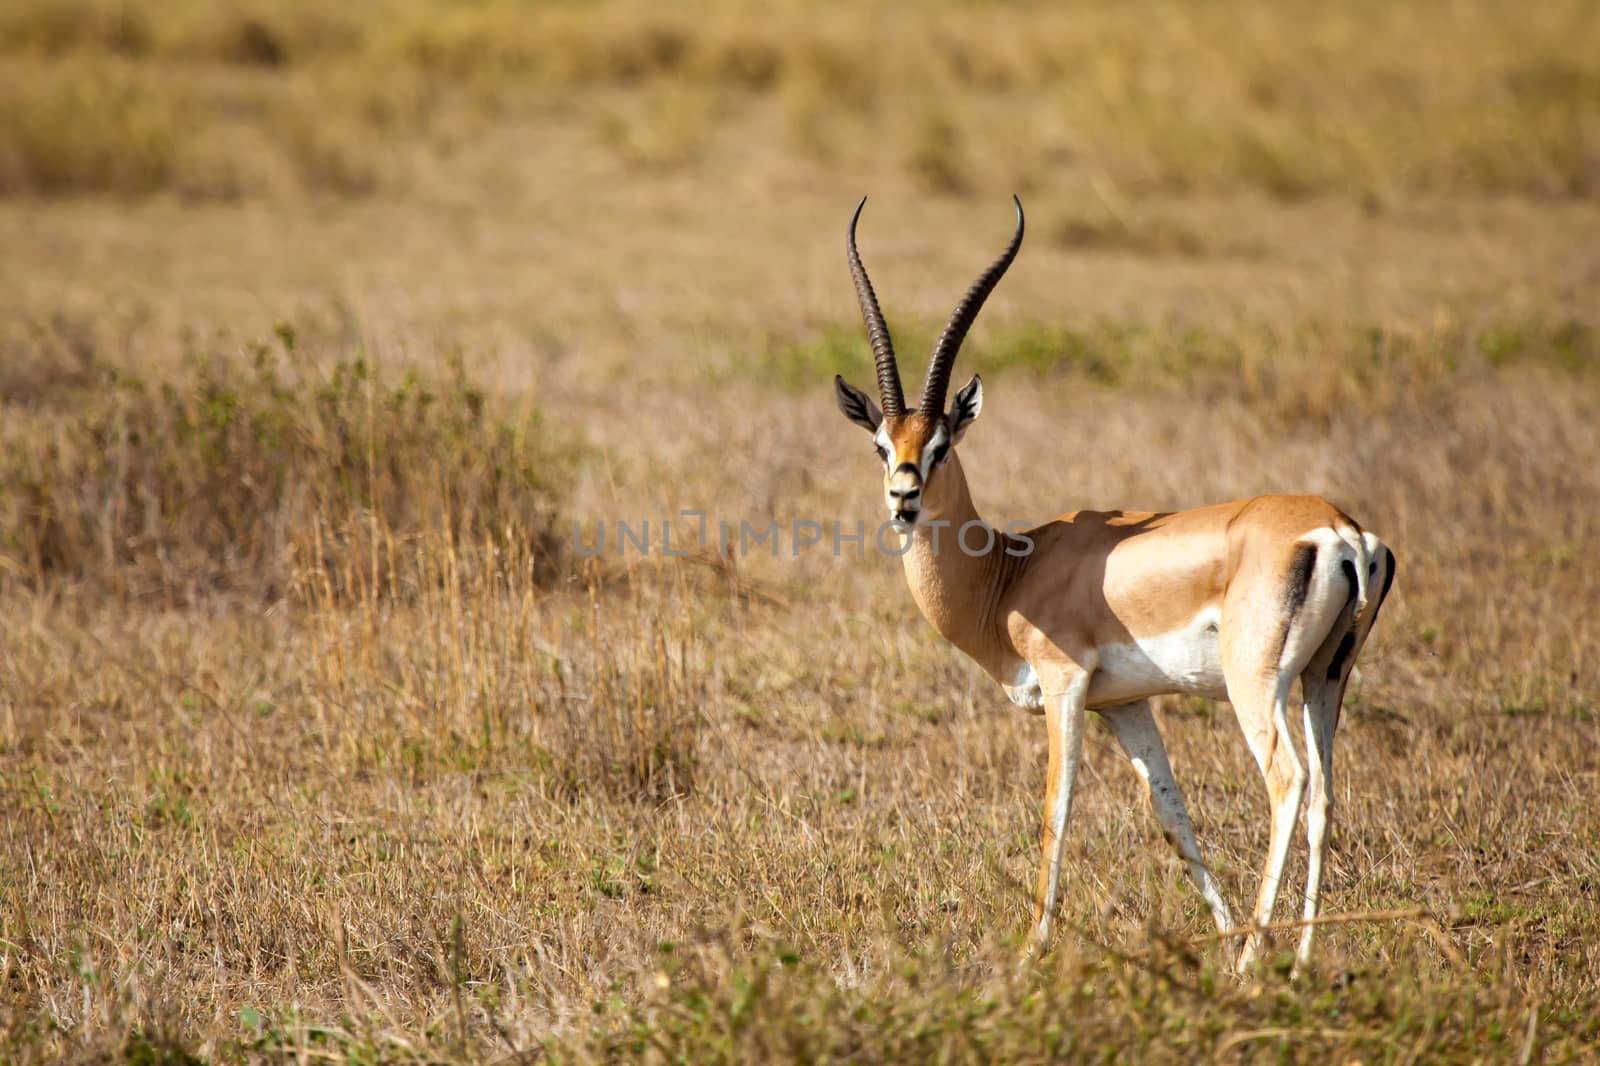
x,y
1101,610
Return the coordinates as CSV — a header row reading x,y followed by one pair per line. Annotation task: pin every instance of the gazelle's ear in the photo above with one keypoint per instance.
x,y
856,405
964,411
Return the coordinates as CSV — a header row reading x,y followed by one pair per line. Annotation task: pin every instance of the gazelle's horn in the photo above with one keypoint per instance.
x,y
894,401
944,353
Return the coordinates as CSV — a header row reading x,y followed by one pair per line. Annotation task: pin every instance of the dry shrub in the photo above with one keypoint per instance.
x,y
487,672
666,130
54,26
252,41
937,157
232,477
332,154
549,45
624,723
87,126
1101,228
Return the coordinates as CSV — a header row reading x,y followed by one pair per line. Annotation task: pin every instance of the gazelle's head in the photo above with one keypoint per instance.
x,y
915,446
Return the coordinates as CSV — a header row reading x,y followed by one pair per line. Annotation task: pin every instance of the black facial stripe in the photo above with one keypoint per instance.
x,y
908,468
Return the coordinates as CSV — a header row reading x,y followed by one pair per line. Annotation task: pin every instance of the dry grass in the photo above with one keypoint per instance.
x,y
317,743
1289,99
697,813
237,479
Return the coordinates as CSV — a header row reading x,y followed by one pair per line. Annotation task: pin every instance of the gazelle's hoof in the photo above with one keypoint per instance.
x,y
1033,950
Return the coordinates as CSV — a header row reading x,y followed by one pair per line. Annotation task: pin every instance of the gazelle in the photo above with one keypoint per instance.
x,y
1100,610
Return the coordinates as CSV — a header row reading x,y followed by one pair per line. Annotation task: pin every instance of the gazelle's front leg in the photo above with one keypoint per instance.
x,y
1065,710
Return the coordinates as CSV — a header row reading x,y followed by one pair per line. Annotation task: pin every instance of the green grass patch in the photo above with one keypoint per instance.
x,y
775,1005
720,1000
1308,371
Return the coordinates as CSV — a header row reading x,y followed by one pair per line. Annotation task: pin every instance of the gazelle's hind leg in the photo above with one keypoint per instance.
x,y
1135,729
1274,620
1261,705
1323,683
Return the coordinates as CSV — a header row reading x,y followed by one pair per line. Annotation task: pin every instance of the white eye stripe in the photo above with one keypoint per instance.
x,y
934,451
938,443
881,440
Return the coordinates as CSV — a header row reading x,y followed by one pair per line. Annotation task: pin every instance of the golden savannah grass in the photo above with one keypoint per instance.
x,y
1291,100
325,331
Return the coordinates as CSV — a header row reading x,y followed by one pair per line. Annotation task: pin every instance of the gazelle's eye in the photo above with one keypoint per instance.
x,y
939,454
883,453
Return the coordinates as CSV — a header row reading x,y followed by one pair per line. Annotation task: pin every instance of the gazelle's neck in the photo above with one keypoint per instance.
x,y
957,580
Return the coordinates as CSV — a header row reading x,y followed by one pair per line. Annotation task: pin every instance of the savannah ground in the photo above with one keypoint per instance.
x,y
320,329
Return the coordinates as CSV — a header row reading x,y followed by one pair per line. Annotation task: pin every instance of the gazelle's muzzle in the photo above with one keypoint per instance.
x,y
904,493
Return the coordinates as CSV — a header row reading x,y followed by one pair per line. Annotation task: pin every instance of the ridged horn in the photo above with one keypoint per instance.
x,y
894,400
944,353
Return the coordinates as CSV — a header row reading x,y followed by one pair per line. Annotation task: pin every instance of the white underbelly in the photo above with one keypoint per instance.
x,y
1183,661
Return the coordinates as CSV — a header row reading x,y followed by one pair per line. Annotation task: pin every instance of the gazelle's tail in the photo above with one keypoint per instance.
x,y
1363,563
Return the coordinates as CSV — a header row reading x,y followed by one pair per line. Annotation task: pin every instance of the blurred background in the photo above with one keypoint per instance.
x,y
326,329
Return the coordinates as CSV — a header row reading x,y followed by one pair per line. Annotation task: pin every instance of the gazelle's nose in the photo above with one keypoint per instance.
x,y
905,496
904,493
